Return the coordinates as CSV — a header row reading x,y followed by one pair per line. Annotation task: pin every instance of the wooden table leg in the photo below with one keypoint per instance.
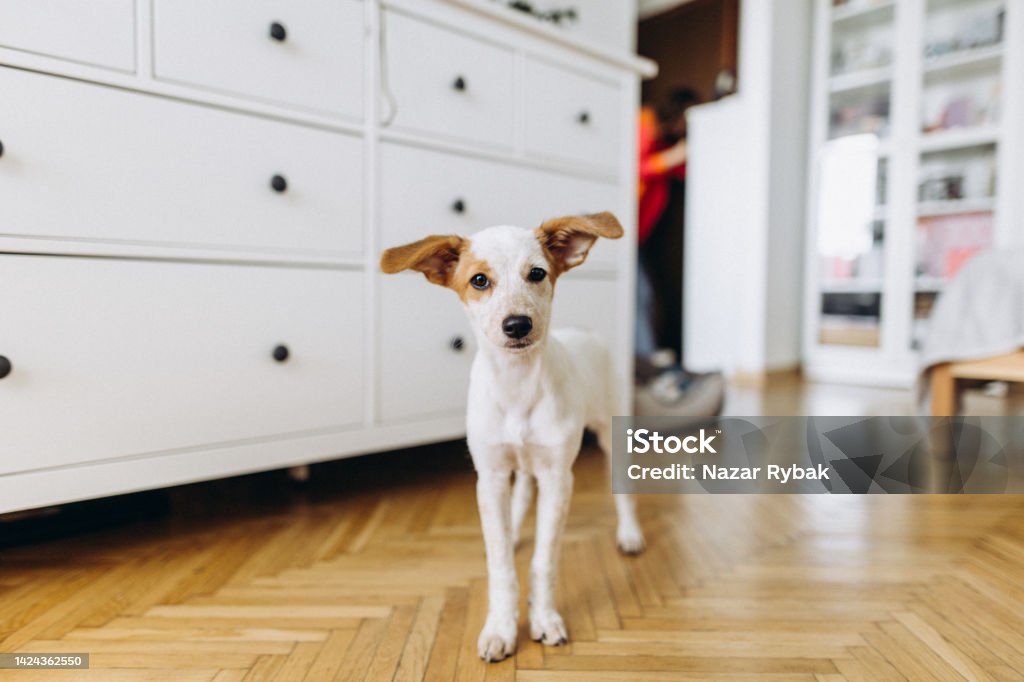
x,y
943,391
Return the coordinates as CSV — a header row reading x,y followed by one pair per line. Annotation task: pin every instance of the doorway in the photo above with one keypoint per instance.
x,y
695,45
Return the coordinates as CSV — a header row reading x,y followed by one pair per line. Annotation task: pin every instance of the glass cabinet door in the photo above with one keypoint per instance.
x,y
852,181
961,101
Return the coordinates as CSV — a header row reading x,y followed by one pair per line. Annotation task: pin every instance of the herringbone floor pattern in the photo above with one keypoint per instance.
x,y
375,571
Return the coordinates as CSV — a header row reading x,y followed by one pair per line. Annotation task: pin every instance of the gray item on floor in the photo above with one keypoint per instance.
x,y
694,398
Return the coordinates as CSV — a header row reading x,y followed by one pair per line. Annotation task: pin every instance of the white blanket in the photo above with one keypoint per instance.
x,y
979,314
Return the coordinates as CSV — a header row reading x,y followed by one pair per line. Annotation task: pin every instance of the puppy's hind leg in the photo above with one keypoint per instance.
x,y
522,496
629,536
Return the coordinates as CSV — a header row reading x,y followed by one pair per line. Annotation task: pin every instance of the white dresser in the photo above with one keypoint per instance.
x,y
194,197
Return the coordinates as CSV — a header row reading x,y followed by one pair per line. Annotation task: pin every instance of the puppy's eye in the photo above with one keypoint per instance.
x,y
537,274
480,281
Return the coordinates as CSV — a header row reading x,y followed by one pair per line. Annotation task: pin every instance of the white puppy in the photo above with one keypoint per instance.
x,y
531,393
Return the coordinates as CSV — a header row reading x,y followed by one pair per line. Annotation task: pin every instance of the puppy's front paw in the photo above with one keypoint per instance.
x,y
547,627
630,540
497,639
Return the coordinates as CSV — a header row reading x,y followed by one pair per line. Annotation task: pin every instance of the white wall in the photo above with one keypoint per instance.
x,y
716,268
792,29
745,201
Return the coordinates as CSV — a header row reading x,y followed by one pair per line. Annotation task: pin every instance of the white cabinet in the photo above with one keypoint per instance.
x,y
113,358
302,53
195,196
98,32
915,140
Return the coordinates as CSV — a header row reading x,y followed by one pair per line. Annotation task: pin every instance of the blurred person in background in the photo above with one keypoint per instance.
x,y
666,388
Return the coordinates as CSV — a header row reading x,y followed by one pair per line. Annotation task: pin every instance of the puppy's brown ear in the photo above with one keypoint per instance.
x,y
435,256
567,240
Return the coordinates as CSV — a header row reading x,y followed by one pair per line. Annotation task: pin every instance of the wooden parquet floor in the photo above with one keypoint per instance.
x,y
375,571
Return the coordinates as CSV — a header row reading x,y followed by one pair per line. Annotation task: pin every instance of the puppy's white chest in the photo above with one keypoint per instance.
x,y
527,435
515,429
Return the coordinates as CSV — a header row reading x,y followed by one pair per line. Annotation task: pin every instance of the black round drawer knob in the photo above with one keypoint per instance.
x,y
459,205
1,148
281,353
278,183
457,344
5,367
584,117
278,32
459,84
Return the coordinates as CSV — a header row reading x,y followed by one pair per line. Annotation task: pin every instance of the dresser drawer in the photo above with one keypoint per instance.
x,y
587,303
88,162
304,53
97,32
117,358
424,191
448,84
553,194
572,117
425,347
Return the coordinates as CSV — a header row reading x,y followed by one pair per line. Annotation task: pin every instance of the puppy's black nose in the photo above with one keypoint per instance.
x,y
517,326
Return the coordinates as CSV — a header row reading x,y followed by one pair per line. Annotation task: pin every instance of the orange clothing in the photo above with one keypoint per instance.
x,y
655,174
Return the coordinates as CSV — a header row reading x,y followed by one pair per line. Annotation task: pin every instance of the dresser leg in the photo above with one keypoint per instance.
x,y
299,473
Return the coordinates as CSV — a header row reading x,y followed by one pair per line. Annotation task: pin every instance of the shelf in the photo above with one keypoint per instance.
x,y
859,80
927,209
954,61
959,138
840,330
929,284
884,143
854,285
859,10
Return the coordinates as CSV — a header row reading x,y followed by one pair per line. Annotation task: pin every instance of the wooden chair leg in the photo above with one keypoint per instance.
x,y
943,391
